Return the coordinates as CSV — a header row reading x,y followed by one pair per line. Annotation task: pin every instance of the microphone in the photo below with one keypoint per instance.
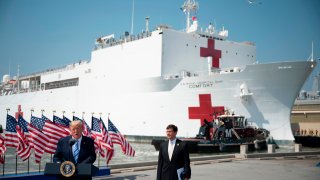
x,y
72,142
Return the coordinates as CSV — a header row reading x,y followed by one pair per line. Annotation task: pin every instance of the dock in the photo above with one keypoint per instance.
x,y
265,166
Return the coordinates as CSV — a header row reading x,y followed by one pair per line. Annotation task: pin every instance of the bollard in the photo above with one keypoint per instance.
x,y
243,149
271,148
297,147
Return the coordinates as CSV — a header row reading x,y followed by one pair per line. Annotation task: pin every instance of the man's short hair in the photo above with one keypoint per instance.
x,y
173,127
76,122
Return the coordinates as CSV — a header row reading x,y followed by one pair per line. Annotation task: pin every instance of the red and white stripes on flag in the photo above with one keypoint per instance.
x,y
3,149
102,139
40,141
54,132
118,138
24,148
11,137
17,138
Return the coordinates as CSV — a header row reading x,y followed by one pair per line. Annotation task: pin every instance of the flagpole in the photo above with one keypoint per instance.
x,y
42,110
73,115
4,162
33,151
16,163
16,160
28,165
4,155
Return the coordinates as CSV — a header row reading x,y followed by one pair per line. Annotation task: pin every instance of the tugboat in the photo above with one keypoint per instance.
x,y
225,134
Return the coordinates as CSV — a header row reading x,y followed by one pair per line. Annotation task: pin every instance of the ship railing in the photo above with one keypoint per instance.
x,y
123,39
54,70
15,90
231,70
184,73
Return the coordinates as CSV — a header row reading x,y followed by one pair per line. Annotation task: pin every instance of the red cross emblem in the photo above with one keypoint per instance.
x,y
206,110
211,51
19,112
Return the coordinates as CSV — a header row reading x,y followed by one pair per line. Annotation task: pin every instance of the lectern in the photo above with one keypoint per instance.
x,y
69,170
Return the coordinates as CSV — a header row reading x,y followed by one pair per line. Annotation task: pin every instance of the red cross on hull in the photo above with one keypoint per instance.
x,y
211,51
206,110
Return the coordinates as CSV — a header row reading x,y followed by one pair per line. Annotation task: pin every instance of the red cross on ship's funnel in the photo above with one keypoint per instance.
x,y
211,51
206,110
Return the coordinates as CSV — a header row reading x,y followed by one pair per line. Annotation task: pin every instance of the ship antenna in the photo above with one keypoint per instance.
x,y
188,7
132,16
147,24
312,51
18,74
311,55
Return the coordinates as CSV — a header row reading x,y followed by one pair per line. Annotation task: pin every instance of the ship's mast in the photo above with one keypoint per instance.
x,y
18,74
312,51
132,17
189,7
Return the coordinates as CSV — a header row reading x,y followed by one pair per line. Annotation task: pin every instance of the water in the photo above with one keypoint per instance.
x,y
144,152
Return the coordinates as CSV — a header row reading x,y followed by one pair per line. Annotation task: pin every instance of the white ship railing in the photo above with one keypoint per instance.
x,y
184,73
14,87
102,43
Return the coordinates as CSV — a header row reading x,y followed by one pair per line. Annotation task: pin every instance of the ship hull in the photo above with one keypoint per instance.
x,y
144,107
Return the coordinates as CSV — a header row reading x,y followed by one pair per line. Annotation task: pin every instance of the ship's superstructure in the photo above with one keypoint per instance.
x,y
155,78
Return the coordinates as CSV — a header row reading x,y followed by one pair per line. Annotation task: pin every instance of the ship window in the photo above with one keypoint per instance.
x,y
61,84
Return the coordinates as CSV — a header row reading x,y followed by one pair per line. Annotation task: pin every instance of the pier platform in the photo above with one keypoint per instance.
x,y
230,167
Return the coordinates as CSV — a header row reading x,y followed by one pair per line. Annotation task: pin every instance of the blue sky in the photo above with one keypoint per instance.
x,y
42,34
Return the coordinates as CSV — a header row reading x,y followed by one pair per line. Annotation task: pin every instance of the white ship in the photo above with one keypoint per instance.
x,y
164,76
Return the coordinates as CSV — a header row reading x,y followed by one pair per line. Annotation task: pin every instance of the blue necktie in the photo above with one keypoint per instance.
x,y
76,151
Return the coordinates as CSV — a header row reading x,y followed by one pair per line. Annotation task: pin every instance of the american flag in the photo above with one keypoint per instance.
x,y
11,136
64,122
23,127
2,149
118,138
61,121
86,129
75,118
102,138
66,119
39,139
96,134
24,148
54,132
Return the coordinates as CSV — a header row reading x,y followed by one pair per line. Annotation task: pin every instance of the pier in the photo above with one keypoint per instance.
x,y
265,166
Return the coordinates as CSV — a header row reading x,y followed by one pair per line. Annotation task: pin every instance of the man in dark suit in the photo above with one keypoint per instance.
x,y
173,157
75,148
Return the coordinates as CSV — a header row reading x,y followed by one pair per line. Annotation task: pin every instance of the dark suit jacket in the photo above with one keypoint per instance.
x,y
167,170
64,151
